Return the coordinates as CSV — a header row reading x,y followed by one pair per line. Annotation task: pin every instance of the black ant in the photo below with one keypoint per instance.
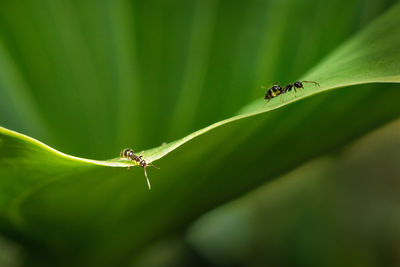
x,y
296,85
129,154
273,91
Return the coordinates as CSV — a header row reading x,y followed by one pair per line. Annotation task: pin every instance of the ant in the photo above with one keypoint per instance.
x,y
296,85
276,89
128,153
273,91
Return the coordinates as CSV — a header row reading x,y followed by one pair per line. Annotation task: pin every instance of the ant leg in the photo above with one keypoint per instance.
x,y
274,83
271,84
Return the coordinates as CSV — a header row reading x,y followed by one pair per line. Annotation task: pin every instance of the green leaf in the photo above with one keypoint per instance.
x,y
321,197
83,209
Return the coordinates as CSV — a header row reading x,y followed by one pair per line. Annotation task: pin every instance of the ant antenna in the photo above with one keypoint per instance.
x,y
152,165
317,84
147,178
145,173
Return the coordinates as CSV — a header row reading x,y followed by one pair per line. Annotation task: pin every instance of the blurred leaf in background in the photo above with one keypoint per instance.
x,y
92,77
340,210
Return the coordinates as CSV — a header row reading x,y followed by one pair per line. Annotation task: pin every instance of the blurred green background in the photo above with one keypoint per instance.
x,y
91,77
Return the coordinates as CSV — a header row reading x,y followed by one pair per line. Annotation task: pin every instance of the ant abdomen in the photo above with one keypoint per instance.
x,y
127,153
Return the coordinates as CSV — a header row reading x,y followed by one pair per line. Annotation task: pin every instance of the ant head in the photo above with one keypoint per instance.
x,y
143,164
298,84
